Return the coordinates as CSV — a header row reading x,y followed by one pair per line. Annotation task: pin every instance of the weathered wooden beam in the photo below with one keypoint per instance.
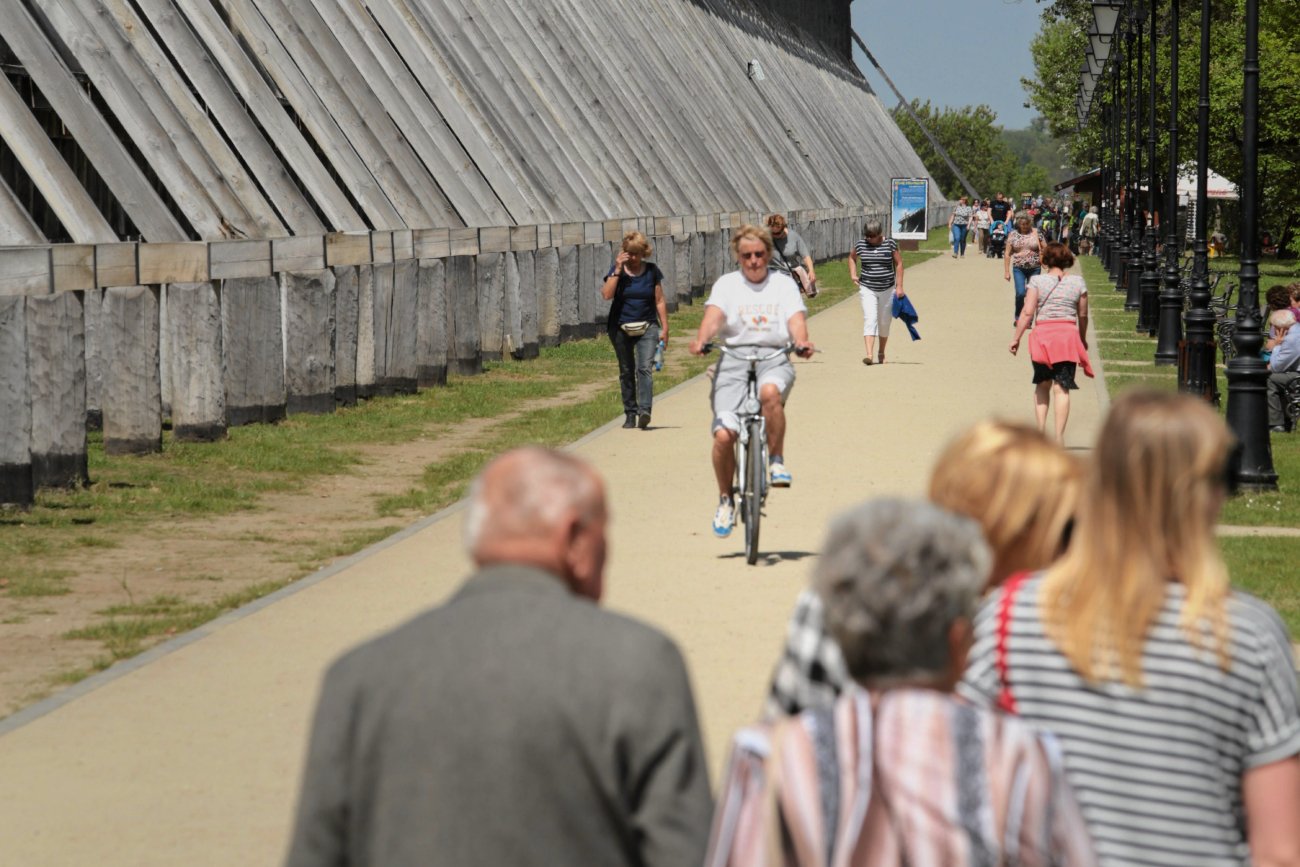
x,y
431,324
346,323
132,389
308,302
253,350
16,487
16,225
547,270
194,360
465,356
56,376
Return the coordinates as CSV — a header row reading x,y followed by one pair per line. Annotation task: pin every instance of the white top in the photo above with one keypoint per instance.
x,y
757,314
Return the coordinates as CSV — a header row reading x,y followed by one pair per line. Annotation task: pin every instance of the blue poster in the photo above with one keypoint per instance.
x,y
908,202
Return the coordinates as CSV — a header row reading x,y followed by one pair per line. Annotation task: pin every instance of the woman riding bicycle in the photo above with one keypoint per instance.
x,y
751,307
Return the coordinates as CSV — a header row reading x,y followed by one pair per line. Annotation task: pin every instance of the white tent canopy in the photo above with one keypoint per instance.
x,y
1216,185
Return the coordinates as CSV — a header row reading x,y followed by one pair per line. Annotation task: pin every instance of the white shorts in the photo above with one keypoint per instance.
x,y
728,394
877,311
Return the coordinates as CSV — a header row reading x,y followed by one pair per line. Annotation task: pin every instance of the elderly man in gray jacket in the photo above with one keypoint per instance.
x,y
518,723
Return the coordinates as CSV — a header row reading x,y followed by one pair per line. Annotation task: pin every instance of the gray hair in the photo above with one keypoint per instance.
x,y
542,487
894,576
872,228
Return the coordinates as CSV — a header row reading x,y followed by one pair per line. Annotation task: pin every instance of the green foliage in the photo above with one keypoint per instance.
x,y
1058,53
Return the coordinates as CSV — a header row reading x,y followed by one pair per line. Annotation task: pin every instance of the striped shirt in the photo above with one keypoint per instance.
x,y
922,778
1158,770
876,264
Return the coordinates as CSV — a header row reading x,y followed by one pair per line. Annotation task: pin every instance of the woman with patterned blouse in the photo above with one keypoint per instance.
x,y
1021,256
958,221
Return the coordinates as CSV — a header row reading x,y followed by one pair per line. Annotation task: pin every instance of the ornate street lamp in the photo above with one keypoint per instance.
x,y
1247,374
1105,14
1133,213
1149,282
1196,368
1169,331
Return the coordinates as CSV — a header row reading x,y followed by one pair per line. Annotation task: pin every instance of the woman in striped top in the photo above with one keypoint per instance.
x,y
1173,697
877,267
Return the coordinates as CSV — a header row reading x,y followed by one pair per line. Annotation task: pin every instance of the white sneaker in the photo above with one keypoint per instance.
x,y
781,477
724,519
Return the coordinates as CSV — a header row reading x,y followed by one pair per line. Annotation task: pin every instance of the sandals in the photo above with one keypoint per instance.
x,y
867,362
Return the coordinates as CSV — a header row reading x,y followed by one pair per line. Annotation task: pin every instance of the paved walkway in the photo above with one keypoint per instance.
x,y
191,753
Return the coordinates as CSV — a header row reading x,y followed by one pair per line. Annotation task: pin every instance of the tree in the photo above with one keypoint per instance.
x,y
1058,52
973,140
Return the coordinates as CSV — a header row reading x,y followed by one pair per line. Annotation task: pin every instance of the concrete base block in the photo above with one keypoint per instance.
x,y
16,488
59,471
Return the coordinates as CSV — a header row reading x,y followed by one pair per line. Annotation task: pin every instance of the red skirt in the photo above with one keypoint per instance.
x,y
1058,340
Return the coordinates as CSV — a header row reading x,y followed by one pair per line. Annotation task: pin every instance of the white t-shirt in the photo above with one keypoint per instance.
x,y
758,314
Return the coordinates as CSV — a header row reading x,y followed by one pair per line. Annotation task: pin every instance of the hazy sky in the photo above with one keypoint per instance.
x,y
951,52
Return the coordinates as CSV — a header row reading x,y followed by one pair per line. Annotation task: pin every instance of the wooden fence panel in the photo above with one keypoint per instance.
x,y
131,321
308,299
56,375
15,405
193,329
253,350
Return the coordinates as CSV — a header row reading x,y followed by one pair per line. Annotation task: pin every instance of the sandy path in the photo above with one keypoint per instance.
x,y
191,753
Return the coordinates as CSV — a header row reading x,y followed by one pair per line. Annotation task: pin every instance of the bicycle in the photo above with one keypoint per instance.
x,y
750,492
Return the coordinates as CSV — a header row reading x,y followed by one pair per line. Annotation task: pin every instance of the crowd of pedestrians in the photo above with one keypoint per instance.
x,y
1041,663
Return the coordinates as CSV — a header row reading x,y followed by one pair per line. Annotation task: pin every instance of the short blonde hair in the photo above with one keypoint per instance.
x,y
1022,489
636,243
753,233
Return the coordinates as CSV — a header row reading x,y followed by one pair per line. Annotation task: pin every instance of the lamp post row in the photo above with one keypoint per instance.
x,y
1122,30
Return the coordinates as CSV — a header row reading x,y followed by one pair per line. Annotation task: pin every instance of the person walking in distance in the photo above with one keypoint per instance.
x,y
1056,307
791,254
518,723
1021,257
958,222
876,267
759,307
638,321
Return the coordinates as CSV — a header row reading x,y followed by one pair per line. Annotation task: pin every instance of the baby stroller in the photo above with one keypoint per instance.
x,y
997,239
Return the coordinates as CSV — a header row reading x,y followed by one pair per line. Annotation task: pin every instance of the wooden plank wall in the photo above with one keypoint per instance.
x,y
240,119
256,330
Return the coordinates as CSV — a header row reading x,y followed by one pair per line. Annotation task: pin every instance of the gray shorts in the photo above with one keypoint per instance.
x,y
728,395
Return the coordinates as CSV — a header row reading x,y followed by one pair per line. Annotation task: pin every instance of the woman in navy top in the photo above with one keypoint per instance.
x,y
638,320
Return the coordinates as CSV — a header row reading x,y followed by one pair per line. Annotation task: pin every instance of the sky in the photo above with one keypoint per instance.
x,y
951,52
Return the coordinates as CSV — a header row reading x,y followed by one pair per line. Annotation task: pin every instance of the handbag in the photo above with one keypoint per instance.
x,y
634,329
1006,702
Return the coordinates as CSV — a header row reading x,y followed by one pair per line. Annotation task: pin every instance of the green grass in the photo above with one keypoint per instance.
x,y
129,629
23,581
1266,567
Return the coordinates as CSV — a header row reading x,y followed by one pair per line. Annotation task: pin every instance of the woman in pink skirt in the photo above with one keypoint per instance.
x,y
1056,307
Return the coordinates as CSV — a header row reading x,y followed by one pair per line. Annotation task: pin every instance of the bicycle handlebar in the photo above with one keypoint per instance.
x,y
727,350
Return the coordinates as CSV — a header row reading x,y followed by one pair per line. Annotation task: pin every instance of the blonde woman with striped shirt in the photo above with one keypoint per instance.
x,y
1174,697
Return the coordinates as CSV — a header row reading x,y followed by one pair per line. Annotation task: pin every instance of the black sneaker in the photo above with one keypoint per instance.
x,y
630,421
643,420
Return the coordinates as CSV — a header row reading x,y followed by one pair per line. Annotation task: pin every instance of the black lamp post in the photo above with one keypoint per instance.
x,y
1169,331
1247,374
1196,369
1149,282
1133,213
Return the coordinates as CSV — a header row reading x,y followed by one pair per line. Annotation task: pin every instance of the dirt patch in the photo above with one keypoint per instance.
x,y
194,566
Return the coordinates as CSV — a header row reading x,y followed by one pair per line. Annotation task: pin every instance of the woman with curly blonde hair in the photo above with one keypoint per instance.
x,y
638,323
1173,696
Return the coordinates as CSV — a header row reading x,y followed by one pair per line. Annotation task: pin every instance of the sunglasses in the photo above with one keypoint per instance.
x,y
761,254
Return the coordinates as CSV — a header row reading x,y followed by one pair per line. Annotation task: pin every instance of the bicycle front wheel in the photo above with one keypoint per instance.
x,y
755,470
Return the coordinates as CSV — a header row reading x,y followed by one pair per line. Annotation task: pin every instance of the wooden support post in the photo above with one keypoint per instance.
x,y
713,244
253,350
665,258
308,299
462,300
491,304
132,386
400,336
56,376
346,313
547,270
15,405
681,287
431,324
523,289
570,328
192,324
92,301
698,285
365,372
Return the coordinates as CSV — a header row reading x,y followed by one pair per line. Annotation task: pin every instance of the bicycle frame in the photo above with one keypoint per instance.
x,y
751,450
